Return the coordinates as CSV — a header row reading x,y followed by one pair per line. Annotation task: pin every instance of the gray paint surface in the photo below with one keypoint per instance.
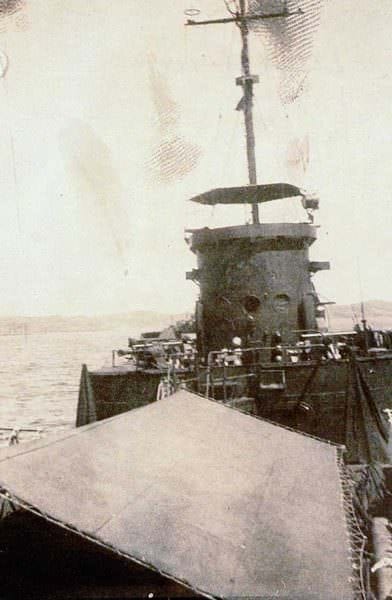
x,y
229,504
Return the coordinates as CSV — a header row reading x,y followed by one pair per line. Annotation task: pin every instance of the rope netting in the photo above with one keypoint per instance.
x,y
356,536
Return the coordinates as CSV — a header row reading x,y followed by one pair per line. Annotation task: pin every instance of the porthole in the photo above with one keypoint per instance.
x,y
281,302
251,303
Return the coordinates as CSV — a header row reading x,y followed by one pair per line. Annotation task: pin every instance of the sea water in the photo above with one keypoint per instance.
x,y
39,377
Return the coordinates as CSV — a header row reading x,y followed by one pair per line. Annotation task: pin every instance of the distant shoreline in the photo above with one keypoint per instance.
x,y
377,312
134,321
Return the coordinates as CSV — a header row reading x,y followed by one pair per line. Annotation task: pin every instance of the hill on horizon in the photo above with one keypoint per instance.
x,y
378,314
134,322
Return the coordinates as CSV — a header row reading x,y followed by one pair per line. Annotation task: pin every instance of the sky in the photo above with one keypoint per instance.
x,y
113,114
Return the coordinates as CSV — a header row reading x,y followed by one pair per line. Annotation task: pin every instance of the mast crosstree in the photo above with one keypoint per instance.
x,y
246,80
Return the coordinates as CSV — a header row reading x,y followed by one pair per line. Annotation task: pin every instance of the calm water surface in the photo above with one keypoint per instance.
x,y
39,376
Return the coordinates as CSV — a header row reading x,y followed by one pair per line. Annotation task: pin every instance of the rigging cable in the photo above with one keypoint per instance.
x,y
4,65
229,4
6,95
362,304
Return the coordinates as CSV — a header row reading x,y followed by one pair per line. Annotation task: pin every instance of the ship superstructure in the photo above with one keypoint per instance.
x,y
190,496
258,339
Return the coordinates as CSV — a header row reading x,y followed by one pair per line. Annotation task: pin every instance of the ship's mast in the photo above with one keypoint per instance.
x,y
247,81
242,18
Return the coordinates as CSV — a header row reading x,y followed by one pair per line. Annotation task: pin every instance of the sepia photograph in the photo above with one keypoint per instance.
x,y
196,311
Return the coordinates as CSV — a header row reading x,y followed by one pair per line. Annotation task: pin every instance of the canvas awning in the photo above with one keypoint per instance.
x,y
249,194
229,505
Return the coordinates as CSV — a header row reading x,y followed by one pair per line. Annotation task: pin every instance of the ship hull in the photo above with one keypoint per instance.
x,y
319,398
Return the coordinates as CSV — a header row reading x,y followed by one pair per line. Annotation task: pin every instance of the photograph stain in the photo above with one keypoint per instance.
x,y
173,156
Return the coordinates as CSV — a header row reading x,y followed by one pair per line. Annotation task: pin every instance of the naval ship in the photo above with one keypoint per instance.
x,y
243,453
258,339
